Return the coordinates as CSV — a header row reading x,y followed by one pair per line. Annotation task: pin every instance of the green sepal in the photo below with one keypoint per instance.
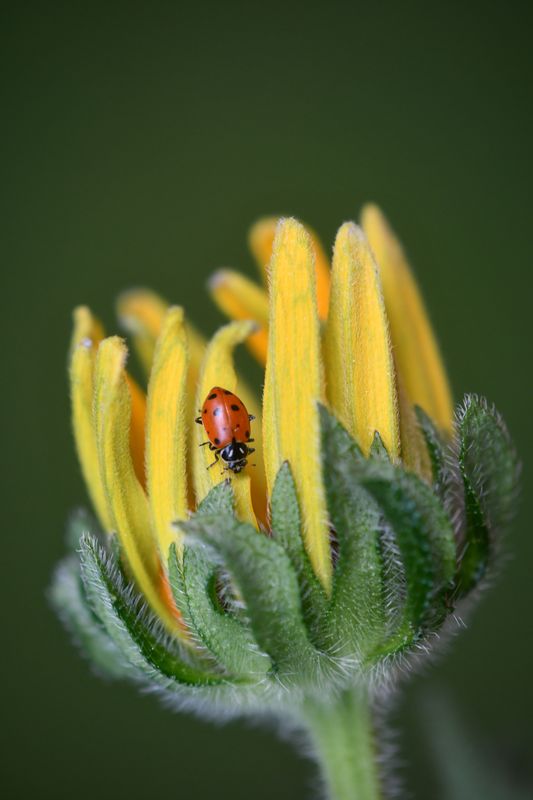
x,y
435,445
138,636
194,578
357,613
220,500
489,472
268,585
378,449
425,540
229,641
67,597
378,507
286,527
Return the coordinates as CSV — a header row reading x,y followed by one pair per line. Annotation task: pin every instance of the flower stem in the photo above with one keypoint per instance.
x,y
343,739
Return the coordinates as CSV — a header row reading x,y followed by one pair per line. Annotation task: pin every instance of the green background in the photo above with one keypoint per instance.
x,y
139,141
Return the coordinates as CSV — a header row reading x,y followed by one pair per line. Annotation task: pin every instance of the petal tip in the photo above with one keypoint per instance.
x,y
217,279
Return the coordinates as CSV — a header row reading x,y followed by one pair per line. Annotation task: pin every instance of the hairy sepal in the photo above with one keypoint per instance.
x,y
376,508
267,582
286,527
436,447
140,638
423,534
226,638
356,616
488,470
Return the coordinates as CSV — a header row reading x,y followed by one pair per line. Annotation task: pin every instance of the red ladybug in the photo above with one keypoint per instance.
x,y
227,424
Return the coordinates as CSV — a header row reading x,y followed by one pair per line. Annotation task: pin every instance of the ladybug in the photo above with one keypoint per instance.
x,y
227,424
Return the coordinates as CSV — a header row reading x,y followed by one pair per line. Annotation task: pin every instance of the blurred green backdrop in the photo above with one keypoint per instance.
x,y
139,141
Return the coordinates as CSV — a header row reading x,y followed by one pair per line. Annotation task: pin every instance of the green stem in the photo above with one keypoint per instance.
x,y
343,738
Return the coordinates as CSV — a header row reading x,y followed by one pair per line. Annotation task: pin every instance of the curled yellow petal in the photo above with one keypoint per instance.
x,y
218,370
240,298
360,376
294,385
141,313
81,373
87,334
127,504
261,241
416,350
167,430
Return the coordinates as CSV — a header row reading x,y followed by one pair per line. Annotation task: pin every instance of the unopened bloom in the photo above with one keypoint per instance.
x,y
370,513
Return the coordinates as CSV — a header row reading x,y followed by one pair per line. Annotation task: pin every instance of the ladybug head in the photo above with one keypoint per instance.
x,y
234,455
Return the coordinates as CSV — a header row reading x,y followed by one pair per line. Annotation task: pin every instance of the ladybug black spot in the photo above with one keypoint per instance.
x,y
212,396
247,433
216,440
234,407
205,410
227,391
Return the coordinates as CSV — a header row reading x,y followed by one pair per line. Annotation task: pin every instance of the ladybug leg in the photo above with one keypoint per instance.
x,y
215,461
198,420
251,449
250,440
211,446
251,417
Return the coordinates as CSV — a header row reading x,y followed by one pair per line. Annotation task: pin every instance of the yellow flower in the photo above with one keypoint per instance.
x,y
354,336
299,586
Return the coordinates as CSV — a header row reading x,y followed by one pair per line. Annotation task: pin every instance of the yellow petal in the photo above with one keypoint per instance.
x,y
359,367
218,370
293,385
240,298
87,334
126,501
196,349
415,454
167,429
416,351
261,241
85,327
141,313
81,395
